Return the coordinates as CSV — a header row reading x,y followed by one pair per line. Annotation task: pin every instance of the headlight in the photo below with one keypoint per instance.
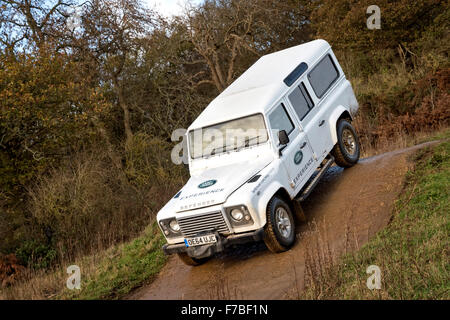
x,y
173,224
237,214
170,227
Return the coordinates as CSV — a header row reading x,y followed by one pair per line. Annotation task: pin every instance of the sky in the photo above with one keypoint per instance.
x,y
169,7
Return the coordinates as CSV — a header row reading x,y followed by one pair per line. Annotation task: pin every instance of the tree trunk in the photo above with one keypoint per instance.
x,y
126,114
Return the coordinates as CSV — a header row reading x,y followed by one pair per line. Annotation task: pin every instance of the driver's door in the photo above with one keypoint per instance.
x,y
297,156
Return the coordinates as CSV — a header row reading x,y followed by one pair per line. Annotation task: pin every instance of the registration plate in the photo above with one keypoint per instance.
x,y
199,241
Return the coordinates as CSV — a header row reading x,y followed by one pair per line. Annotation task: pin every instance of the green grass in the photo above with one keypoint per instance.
x,y
443,134
107,274
413,251
123,268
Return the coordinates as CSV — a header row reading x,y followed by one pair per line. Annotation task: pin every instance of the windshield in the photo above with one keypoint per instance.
x,y
227,136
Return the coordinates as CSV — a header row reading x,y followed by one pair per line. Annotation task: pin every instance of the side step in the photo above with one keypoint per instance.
x,y
310,187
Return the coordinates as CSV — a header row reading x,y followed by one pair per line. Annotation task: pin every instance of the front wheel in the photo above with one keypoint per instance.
x,y
279,232
346,151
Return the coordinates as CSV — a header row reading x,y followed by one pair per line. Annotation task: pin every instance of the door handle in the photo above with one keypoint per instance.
x,y
321,123
303,145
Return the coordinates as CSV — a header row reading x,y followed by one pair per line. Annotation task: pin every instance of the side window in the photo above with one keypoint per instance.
x,y
323,75
280,120
301,101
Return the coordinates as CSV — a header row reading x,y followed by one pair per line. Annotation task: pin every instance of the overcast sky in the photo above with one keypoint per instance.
x,y
169,7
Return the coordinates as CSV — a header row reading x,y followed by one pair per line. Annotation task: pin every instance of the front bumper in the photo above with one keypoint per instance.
x,y
210,249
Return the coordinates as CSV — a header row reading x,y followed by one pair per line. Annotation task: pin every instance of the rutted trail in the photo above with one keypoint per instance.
x,y
344,211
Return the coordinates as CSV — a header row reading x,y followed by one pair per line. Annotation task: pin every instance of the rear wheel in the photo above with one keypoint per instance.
x,y
347,150
279,232
191,261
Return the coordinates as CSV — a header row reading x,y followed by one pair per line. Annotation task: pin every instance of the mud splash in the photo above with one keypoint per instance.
x,y
344,211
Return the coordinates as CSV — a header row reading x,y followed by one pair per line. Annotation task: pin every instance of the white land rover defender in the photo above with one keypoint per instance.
x,y
292,113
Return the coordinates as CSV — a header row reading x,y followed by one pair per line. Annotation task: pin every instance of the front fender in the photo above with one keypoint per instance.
x,y
337,112
258,194
265,197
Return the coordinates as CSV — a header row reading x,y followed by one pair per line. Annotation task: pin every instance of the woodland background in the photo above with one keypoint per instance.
x,y
86,114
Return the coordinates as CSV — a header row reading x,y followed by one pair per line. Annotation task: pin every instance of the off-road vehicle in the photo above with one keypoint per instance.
x,y
290,118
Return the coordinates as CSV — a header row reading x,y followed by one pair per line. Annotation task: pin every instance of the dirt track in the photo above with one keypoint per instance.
x,y
344,211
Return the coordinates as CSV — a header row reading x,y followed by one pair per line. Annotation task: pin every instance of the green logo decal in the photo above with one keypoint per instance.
x,y
298,157
207,184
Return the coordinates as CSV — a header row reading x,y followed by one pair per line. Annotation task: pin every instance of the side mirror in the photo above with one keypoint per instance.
x,y
283,137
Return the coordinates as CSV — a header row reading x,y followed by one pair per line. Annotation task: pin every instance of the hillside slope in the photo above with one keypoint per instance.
x,y
346,209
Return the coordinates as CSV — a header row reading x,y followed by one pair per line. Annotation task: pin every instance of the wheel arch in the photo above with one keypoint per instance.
x,y
339,113
275,189
283,194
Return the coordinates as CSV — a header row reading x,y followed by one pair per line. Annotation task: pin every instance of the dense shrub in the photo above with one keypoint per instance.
x,y
90,203
10,270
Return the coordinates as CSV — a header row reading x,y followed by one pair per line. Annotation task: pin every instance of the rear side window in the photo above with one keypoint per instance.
x,y
323,75
280,120
301,101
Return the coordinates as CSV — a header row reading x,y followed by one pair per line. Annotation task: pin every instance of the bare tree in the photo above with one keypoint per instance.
x,y
223,31
113,33
31,22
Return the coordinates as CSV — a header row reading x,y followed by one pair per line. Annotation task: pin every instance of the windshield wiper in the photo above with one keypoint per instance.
x,y
247,143
223,148
213,151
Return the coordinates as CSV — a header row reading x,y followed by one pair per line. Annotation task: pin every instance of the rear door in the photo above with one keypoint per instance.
x,y
319,89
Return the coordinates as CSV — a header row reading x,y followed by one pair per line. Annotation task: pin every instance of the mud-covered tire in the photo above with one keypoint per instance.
x,y
273,233
191,261
347,149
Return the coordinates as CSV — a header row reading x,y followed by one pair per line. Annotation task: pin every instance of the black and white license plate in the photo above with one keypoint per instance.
x,y
199,241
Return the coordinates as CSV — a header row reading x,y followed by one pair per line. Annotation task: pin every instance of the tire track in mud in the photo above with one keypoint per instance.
x,y
344,211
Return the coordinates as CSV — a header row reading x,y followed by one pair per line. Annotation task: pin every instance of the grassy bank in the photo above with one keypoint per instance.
x,y
412,252
109,274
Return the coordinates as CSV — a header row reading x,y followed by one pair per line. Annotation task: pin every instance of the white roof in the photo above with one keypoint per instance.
x,y
261,85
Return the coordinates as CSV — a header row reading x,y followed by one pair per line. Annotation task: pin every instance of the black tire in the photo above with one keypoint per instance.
x,y
191,261
273,235
347,150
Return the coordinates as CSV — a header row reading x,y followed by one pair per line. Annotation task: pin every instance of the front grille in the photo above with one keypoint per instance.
x,y
212,221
